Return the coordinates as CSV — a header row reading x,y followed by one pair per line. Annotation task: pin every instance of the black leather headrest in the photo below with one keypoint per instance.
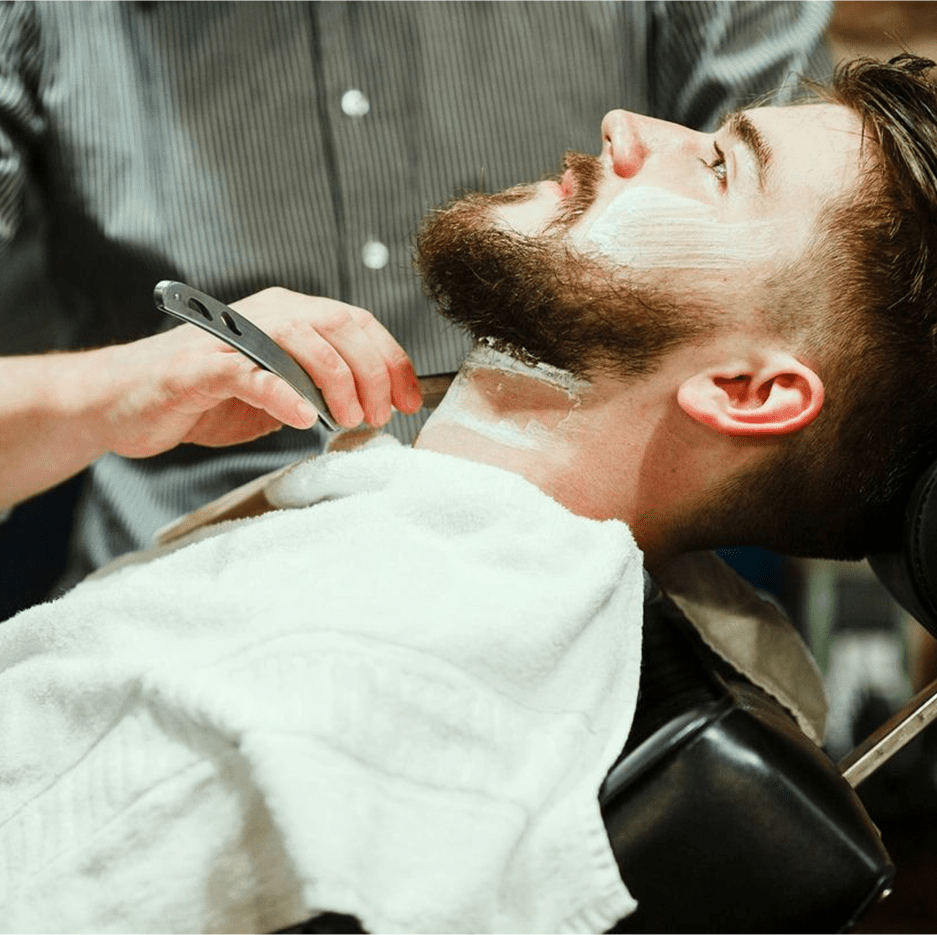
x,y
910,574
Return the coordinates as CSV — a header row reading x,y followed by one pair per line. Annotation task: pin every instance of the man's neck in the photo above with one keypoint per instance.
x,y
606,449
546,425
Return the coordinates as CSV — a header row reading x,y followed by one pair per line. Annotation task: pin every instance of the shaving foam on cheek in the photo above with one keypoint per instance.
x,y
648,228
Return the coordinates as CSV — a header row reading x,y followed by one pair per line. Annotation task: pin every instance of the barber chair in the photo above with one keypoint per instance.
x,y
723,815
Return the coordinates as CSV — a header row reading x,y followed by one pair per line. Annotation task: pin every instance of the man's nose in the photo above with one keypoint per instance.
x,y
634,138
622,131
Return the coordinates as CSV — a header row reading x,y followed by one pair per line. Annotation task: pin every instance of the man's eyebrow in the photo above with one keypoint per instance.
x,y
739,125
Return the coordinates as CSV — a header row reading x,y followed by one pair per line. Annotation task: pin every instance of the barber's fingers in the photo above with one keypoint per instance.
x,y
361,370
404,385
266,393
207,376
231,422
187,385
359,367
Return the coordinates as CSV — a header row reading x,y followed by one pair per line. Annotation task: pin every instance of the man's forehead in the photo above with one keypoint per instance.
x,y
811,149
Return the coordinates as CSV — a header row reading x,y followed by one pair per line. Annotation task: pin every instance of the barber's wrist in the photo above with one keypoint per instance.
x,y
89,398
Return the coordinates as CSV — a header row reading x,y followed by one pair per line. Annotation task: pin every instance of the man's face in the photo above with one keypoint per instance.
x,y
665,219
763,176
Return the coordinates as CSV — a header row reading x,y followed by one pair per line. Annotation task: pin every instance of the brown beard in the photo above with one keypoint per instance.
x,y
540,300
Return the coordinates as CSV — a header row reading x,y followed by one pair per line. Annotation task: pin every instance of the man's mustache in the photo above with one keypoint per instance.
x,y
581,175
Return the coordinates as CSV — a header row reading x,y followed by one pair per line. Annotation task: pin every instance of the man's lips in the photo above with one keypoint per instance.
x,y
567,183
553,186
565,186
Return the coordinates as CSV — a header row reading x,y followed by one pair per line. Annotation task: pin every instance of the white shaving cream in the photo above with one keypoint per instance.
x,y
487,357
648,228
457,408
530,436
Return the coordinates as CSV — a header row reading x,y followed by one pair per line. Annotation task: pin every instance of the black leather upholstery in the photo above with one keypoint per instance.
x,y
726,817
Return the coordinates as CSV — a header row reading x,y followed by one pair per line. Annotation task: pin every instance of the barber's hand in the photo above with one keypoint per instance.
x,y
185,385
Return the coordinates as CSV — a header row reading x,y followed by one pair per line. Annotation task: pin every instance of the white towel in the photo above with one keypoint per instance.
x,y
398,703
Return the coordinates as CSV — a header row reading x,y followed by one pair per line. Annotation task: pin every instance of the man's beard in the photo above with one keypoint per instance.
x,y
538,298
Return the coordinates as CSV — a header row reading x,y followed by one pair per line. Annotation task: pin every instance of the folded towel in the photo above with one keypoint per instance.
x,y
397,703
750,633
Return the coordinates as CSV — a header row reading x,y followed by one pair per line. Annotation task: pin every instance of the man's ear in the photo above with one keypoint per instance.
x,y
775,396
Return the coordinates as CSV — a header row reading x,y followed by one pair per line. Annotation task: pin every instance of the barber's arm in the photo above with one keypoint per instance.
x,y
59,412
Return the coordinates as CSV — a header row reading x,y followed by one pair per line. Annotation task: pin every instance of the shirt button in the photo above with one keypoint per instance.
x,y
375,254
355,104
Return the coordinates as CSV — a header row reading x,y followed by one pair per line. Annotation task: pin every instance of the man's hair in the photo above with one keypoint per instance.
x,y
843,481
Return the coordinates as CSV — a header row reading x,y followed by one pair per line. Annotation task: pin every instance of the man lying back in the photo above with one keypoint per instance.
x,y
749,314
692,340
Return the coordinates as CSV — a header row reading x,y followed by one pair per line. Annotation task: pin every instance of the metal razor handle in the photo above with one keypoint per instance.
x,y
182,301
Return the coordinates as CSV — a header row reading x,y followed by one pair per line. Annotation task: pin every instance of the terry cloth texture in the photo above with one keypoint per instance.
x,y
397,703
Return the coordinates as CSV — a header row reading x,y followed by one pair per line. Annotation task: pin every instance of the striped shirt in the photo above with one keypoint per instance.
x,y
235,146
